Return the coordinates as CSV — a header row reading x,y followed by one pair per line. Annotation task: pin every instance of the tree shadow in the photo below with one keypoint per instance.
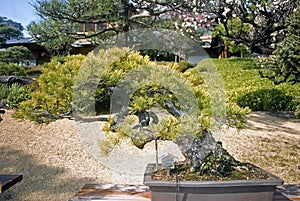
x,y
274,122
37,178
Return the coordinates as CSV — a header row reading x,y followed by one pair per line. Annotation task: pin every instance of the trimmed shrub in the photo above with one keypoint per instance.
x,y
266,100
16,55
241,77
53,92
17,95
12,69
4,91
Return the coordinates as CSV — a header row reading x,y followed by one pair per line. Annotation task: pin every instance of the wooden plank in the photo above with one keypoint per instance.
x,y
113,193
8,180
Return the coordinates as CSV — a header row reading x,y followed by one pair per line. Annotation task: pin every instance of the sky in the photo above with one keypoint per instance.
x,y
19,11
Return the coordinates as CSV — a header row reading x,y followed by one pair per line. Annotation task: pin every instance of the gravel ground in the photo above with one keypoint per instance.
x,y
270,141
56,163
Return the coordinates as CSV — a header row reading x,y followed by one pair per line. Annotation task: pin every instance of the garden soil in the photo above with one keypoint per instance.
x,y
55,163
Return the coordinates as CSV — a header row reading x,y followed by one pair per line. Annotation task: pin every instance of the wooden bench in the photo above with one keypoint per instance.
x,y
9,180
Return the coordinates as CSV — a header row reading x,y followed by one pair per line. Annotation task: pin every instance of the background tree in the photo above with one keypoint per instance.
x,y
236,27
63,22
266,21
9,29
285,66
53,35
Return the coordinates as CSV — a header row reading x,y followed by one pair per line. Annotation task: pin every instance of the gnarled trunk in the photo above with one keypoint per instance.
x,y
206,155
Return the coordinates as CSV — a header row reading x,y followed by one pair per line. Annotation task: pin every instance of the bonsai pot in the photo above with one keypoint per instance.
x,y
234,190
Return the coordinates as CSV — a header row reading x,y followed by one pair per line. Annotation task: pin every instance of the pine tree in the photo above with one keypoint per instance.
x,y
285,66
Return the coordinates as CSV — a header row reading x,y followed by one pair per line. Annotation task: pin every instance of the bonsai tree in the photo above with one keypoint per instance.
x,y
154,101
155,113
150,101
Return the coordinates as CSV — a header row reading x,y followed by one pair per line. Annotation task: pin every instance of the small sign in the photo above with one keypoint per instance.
x,y
168,161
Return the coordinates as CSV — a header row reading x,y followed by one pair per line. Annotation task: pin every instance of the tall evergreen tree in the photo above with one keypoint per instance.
x,y
9,29
285,66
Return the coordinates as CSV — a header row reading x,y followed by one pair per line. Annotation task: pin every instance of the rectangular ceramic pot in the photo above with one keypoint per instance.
x,y
235,190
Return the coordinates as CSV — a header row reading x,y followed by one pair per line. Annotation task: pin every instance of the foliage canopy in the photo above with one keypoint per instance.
x,y
264,22
9,29
260,26
64,22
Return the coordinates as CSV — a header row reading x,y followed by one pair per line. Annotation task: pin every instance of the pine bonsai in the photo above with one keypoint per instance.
x,y
153,102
